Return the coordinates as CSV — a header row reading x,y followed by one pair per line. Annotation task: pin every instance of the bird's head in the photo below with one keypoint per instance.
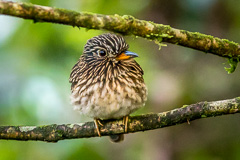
x,y
106,57
107,48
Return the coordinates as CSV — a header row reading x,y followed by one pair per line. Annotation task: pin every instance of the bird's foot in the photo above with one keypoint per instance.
x,y
125,122
97,122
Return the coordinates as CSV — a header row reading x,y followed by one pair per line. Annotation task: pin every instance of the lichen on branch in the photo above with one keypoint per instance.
x,y
187,113
125,24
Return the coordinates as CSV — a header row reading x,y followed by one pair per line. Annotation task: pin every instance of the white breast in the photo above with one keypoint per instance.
x,y
100,101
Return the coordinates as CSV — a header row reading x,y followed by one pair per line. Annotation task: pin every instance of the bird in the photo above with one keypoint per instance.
x,y
107,82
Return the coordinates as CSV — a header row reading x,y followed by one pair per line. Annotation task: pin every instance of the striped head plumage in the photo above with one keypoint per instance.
x,y
107,83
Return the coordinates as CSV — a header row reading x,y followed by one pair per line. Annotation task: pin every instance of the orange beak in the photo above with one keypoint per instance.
x,y
126,55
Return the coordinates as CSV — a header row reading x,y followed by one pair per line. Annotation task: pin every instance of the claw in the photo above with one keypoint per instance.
x,y
96,121
99,122
125,122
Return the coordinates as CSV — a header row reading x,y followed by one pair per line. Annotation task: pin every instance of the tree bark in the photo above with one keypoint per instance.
x,y
125,24
187,113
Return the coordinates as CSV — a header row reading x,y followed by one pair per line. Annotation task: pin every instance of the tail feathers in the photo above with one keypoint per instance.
x,y
117,138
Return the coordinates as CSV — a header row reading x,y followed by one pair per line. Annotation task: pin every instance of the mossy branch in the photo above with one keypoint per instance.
x,y
126,24
54,132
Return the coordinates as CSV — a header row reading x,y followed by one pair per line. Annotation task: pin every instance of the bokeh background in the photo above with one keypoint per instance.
x,y
36,60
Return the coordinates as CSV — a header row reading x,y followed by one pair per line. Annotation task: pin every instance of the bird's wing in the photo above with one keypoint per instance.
x,y
76,72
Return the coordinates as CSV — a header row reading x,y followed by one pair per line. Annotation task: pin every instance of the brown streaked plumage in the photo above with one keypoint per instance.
x,y
107,83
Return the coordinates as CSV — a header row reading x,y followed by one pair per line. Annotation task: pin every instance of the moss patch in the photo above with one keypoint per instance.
x,y
233,62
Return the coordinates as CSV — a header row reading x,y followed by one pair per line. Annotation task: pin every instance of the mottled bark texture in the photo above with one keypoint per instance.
x,y
54,132
126,24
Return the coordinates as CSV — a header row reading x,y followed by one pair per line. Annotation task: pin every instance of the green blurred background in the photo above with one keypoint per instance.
x,y
36,60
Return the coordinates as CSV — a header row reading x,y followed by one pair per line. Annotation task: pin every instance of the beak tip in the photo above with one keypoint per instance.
x,y
132,54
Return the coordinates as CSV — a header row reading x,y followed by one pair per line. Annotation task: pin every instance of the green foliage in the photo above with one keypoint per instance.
x,y
36,60
233,62
84,152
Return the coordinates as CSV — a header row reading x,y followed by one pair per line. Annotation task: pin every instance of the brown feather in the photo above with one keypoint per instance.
x,y
104,87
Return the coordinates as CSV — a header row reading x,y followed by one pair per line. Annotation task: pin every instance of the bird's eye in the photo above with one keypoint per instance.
x,y
102,53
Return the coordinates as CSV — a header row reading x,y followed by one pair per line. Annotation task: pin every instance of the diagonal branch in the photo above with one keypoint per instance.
x,y
54,132
130,26
123,24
